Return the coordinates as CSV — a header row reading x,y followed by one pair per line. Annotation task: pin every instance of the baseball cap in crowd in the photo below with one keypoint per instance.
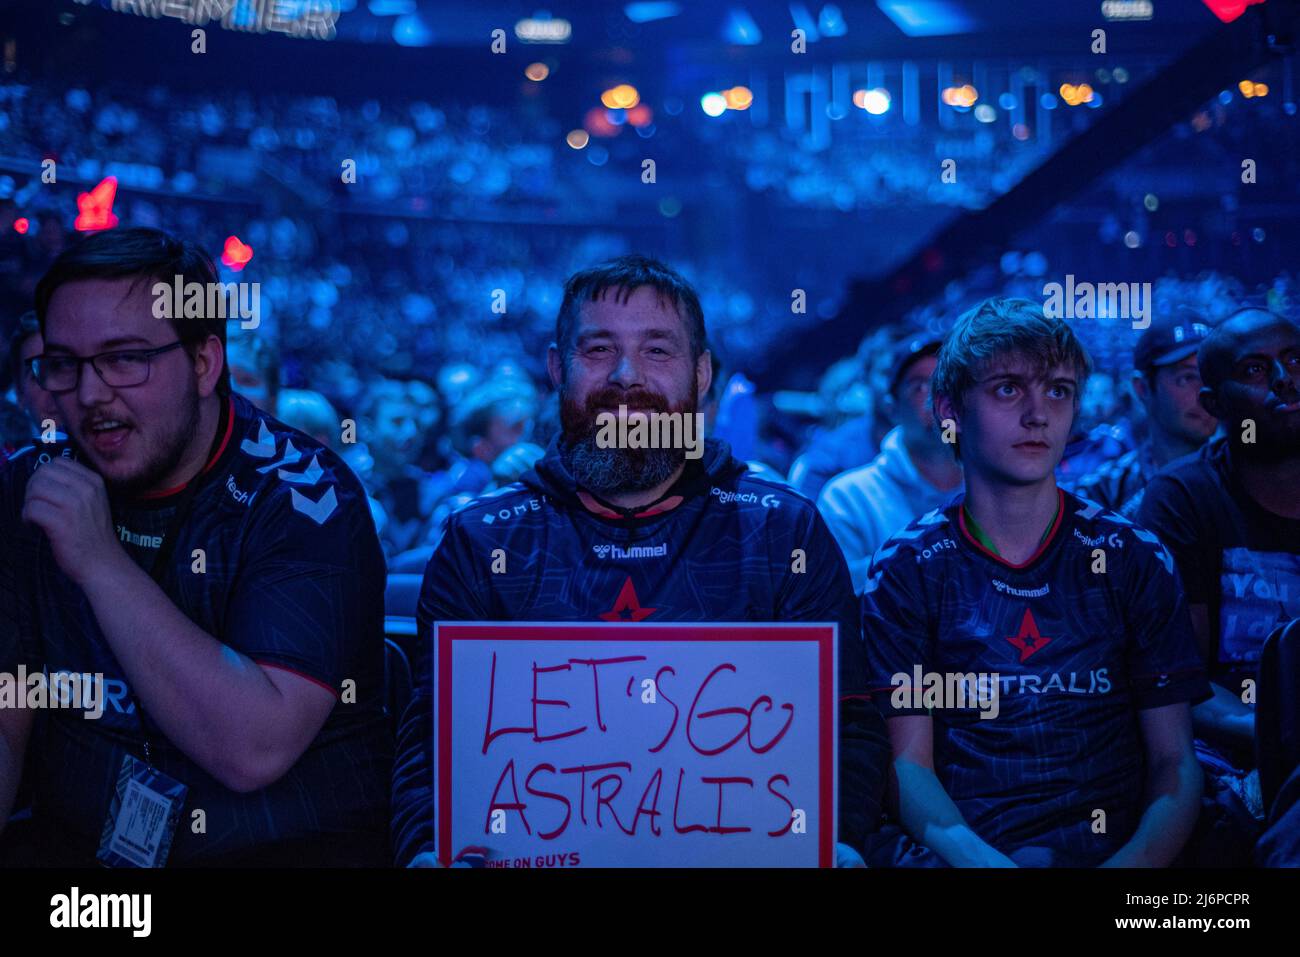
x,y
909,350
1170,339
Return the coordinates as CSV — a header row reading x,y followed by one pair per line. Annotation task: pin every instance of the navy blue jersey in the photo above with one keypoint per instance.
x,y
1074,655
290,575
722,554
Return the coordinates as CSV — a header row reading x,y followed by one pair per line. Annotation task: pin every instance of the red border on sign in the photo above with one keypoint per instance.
x,y
823,635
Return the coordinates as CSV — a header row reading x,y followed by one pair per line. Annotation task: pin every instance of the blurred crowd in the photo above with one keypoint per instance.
x,y
429,252
427,438
404,317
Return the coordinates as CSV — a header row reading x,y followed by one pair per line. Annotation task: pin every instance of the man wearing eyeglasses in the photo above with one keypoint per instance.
x,y
209,577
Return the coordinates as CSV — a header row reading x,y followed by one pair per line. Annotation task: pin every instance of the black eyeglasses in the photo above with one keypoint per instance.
x,y
117,369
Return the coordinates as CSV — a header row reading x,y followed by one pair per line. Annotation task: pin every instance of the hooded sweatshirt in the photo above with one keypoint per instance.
x,y
864,506
717,549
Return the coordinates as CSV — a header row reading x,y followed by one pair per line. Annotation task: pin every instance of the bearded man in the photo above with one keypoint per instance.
x,y
596,531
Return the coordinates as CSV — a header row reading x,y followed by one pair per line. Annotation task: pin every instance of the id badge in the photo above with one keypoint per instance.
x,y
142,817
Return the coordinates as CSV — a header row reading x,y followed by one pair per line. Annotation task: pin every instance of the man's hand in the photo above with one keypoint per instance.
x,y
68,502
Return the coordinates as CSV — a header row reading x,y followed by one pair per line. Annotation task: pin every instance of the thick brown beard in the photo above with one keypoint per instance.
x,y
608,471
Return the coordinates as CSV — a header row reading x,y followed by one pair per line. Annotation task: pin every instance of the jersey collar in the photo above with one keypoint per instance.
x,y
1047,540
673,497
225,427
607,510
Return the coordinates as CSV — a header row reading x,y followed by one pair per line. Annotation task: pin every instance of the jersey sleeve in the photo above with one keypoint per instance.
x,y
824,593
1164,666
447,594
894,626
309,596
1168,510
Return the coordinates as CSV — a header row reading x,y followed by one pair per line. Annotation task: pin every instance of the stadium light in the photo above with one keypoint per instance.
x,y
713,104
877,101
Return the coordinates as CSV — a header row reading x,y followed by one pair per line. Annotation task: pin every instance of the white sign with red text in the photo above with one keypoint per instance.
x,y
635,745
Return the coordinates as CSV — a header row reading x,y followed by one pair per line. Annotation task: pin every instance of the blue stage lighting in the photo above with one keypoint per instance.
x,y
927,18
649,10
740,28
831,21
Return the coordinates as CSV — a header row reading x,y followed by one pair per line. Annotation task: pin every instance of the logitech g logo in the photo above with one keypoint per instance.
x,y
748,498
1113,539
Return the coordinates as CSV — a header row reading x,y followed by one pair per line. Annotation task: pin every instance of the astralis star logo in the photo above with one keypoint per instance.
x,y
1029,640
627,607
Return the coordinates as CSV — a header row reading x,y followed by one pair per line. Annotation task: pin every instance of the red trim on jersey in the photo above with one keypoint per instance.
x,y
225,440
1042,546
293,671
591,505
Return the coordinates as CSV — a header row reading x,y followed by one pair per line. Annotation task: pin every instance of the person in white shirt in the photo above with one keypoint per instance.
x,y
914,472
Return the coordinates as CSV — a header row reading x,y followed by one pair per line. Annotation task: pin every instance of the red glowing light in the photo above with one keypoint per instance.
x,y
639,115
95,209
21,224
236,255
598,124
1229,10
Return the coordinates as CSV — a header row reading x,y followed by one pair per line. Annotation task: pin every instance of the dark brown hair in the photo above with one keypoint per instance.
x,y
626,274
148,254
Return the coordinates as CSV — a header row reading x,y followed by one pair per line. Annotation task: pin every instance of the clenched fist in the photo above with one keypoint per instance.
x,y
69,503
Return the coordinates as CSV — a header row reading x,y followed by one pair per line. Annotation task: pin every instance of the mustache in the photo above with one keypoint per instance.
x,y
578,418
610,399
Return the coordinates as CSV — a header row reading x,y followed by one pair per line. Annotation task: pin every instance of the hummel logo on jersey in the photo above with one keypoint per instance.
x,y
1028,642
636,551
144,541
1006,589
